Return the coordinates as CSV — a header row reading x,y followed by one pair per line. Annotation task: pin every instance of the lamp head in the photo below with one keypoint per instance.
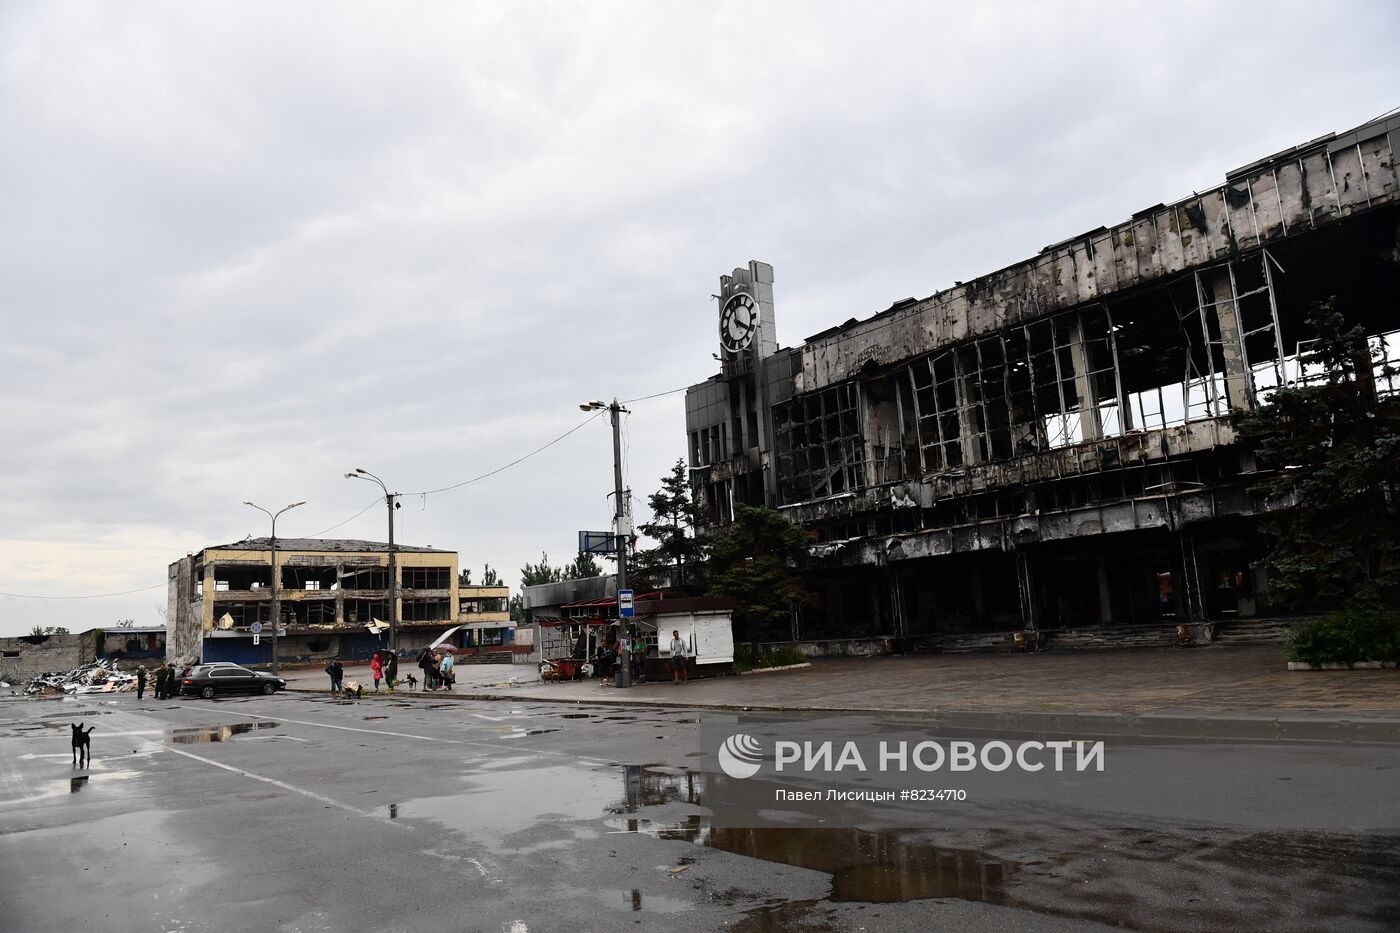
x,y
246,502
361,470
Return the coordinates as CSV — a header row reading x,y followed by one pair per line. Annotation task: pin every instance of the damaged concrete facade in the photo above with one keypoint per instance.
x,y
328,592
1054,445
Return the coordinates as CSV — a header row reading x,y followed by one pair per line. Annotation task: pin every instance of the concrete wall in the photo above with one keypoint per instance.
x,y
21,658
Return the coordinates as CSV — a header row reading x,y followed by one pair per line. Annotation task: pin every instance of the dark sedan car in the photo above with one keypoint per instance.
x,y
209,681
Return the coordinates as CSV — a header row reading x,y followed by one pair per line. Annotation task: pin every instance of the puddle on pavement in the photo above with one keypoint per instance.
x,y
203,734
874,866
375,717
577,716
78,783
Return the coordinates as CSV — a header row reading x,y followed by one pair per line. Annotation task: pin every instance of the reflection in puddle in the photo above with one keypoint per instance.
x,y
865,865
78,783
376,717
216,733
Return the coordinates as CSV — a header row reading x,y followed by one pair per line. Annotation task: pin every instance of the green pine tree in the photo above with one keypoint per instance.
x,y
758,562
678,554
1332,449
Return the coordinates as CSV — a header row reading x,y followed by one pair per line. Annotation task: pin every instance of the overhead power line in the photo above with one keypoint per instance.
x,y
377,499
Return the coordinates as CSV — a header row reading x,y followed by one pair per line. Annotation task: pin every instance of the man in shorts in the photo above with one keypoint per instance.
x,y
679,674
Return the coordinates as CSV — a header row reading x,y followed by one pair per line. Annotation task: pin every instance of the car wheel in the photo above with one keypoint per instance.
x,y
207,693
269,689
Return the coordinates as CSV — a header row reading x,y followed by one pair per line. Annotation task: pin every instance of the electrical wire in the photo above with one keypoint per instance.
x,y
373,503
158,586
643,398
517,460
376,501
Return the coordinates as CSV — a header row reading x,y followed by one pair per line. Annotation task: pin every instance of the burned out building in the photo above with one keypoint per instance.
x,y
330,593
1055,446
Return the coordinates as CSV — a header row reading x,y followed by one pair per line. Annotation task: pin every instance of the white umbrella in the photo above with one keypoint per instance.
x,y
443,637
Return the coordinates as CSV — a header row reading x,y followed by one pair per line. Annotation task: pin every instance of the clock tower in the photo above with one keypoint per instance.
x,y
747,333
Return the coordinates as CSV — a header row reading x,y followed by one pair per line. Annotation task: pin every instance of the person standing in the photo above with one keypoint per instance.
x,y
425,664
140,681
336,672
391,671
162,679
679,673
376,670
446,668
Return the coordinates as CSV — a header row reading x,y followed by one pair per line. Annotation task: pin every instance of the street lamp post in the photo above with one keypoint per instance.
x,y
272,543
390,500
616,411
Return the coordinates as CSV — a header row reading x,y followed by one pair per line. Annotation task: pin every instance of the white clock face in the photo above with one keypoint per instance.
x,y
737,322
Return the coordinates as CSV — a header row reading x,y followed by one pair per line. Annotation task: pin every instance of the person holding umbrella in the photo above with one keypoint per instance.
x,y
445,669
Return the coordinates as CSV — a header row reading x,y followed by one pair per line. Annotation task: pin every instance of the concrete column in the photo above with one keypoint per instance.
x,y
1090,425
340,594
967,423
1217,289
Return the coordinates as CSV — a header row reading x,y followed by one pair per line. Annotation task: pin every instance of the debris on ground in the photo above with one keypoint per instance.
x,y
98,677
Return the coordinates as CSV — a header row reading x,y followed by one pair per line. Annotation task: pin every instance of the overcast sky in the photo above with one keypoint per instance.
x,y
246,247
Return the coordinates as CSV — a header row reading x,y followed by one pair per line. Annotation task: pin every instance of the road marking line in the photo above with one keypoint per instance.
x,y
329,801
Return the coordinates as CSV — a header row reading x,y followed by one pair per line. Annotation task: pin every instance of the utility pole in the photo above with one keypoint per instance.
x,y
272,544
624,659
390,500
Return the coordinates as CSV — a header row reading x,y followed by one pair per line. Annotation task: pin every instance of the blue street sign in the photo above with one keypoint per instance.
x,y
624,604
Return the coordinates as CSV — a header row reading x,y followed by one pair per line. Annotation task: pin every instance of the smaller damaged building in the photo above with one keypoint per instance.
x,y
330,591
1055,445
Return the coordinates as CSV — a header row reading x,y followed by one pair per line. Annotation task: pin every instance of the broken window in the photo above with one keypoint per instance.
x,y
427,578
425,610
821,451
361,611
363,578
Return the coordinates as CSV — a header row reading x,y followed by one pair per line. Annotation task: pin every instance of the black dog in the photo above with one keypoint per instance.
x,y
82,745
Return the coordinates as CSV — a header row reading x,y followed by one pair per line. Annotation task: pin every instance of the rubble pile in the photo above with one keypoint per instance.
x,y
97,677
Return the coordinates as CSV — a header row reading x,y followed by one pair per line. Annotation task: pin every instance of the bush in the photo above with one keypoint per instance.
x,y
1346,636
746,660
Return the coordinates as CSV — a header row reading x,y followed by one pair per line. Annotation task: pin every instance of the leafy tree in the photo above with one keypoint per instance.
x,y
464,577
584,565
532,575
678,553
758,563
489,577
1335,449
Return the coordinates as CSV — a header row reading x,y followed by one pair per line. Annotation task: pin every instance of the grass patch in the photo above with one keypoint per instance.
x,y
780,656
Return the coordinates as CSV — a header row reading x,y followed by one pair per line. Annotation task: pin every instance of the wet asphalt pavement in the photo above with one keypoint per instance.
x,y
303,813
